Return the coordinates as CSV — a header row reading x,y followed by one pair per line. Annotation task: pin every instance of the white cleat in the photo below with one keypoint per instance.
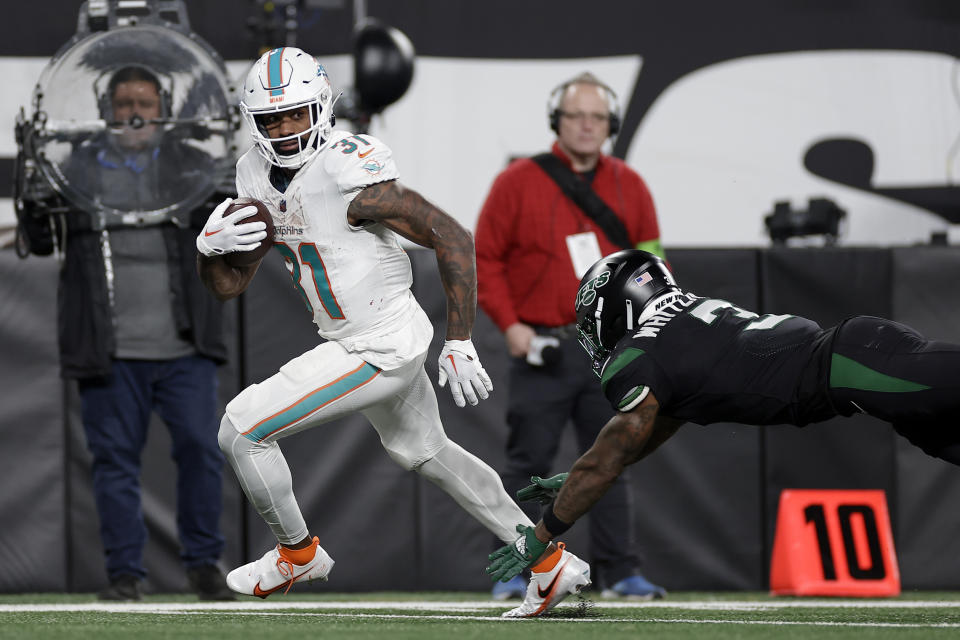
x,y
548,588
274,571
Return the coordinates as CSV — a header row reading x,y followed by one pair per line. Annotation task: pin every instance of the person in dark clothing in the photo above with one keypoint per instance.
x,y
666,357
139,334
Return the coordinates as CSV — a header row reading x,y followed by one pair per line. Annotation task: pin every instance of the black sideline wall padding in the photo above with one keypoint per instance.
x,y
705,502
925,296
33,542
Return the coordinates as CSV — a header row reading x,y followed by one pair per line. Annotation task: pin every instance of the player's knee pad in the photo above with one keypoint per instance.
x,y
411,456
227,437
427,470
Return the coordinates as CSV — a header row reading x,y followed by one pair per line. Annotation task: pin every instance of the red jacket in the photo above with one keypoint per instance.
x,y
524,270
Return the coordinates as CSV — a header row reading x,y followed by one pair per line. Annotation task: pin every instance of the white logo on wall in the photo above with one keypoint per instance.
x,y
874,131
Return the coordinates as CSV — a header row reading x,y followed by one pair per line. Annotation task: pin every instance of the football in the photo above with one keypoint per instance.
x,y
247,258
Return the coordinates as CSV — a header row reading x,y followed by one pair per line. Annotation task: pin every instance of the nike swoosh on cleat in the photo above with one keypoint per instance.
x,y
260,593
365,153
263,594
553,583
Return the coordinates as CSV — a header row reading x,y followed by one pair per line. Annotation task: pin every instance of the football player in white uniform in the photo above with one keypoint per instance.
x,y
338,209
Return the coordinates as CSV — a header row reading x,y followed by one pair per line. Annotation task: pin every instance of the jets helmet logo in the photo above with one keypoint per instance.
x,y
588,292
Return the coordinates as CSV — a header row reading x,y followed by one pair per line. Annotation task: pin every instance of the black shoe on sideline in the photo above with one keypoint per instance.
x,y
123,588
208,583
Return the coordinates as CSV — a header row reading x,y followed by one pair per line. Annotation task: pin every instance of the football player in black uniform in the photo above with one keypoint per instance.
x,y
665,357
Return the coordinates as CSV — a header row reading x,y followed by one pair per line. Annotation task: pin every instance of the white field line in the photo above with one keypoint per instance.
x,y
397,616
195,611
467,606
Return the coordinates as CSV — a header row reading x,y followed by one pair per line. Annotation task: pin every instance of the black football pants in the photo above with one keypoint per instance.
x,y
890,371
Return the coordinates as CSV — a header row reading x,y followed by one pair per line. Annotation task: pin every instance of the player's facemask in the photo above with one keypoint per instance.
x,y
306,139
589,339
283,79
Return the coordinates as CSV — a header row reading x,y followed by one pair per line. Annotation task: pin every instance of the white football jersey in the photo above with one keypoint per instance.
x,y
355,281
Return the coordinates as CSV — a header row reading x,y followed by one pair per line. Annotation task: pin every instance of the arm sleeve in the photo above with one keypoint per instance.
x,y
644,227
492,241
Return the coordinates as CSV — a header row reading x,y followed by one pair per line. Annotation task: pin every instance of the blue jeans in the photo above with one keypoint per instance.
x,y
116,414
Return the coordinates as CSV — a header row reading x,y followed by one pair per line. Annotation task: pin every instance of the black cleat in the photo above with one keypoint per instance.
x,y
208,583
123,588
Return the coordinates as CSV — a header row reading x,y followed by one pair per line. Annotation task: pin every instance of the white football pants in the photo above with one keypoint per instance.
x,y
328,383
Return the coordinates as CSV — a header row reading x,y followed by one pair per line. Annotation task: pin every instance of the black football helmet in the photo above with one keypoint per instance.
x,y
613,294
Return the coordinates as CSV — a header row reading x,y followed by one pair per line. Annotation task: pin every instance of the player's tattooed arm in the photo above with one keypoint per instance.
x,y
224,281
626,438
663,428
412,216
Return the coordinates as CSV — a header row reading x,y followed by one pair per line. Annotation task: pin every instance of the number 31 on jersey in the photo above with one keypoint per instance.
x,y
308,256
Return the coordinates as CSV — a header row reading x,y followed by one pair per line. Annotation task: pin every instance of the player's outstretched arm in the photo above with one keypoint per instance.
x,y
628,437
409,214
625,439
545,490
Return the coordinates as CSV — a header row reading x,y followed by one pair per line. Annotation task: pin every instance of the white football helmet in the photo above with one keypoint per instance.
x,y
282,79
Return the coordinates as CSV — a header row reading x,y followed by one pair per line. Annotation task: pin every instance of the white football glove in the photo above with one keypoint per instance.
x,y
223,235
460,364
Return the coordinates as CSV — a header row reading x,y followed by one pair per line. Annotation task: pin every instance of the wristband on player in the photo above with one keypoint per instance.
x,y
554,525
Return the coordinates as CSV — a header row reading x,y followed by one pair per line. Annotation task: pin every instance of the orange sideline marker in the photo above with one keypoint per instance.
x,y
834,543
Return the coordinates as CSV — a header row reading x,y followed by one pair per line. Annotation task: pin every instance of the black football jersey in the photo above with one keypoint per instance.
x,y
706,360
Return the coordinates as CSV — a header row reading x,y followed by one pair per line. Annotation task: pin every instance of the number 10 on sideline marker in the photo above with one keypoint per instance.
x,y
833,542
